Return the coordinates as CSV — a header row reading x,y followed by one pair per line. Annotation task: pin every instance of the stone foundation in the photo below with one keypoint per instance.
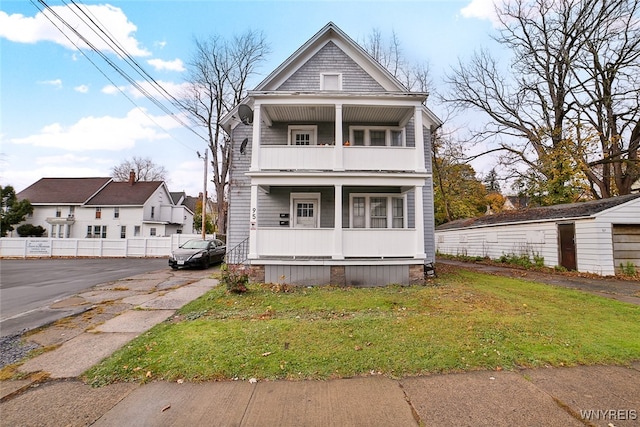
x,y
256,273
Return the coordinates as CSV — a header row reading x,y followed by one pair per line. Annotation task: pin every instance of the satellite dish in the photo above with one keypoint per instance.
x,y
243,146
245,113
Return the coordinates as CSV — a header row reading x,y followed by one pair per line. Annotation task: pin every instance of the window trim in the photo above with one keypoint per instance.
x,y
389,213
387,136
116,212
323,82
98,213
312,129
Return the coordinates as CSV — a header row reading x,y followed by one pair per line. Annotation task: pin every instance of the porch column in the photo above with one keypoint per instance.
x,y
255,139
419,220
253,223
337,230
419,134
339,150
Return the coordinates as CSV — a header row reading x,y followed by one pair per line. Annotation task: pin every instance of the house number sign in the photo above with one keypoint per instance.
x,y
254,217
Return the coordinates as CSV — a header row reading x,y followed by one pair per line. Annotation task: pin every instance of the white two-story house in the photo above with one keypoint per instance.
x,y
331,179
101,208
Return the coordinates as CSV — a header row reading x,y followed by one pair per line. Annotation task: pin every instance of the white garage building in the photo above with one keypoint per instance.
x,y
598,236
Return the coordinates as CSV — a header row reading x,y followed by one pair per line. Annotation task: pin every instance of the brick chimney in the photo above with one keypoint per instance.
x,y
132,177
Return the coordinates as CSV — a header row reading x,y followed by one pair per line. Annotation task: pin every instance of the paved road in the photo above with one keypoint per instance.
x,y
28,285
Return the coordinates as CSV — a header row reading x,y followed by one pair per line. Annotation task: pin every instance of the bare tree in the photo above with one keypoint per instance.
x,y
413,75
144,168
573,78
218,74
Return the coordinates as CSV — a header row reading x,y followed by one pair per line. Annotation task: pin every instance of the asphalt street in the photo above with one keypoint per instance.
x,y
27,286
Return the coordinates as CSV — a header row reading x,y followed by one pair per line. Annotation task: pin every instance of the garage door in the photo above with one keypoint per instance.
x,y
626,245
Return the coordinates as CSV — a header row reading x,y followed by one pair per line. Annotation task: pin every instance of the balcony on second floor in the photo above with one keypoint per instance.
x,y
323,134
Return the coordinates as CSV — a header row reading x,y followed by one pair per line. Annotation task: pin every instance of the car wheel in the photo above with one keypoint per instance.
x,y
174,267
206,262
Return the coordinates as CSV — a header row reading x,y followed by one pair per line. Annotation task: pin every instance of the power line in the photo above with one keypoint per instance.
x,y
123,54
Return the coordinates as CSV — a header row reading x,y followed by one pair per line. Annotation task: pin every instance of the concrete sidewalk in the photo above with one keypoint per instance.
x,y
591,396
578,396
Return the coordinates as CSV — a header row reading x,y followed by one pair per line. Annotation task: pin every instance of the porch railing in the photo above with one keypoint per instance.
x,y
239,254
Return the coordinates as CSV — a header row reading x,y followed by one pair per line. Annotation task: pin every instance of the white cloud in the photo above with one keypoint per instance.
x,y
112,90
25,29
175,89
68,158
159,64
102,133
57,83
187,177
81,89
481,9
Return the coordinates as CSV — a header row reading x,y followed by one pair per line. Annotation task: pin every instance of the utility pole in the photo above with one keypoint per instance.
x,y
204,195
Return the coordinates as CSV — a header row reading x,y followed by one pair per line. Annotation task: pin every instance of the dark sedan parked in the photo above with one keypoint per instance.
x,y
198,253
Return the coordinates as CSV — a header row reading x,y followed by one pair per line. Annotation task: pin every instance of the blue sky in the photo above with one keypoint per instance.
x,y
60,116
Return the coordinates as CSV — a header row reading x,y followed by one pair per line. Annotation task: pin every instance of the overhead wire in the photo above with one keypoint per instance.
x,y
114,46
126,56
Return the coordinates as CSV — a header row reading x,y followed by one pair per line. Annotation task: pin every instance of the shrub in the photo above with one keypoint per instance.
x,y
628,269
234,277
27,230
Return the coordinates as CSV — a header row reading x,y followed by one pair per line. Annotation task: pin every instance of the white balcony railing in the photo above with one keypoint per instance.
x,y
319,242
380,158
291,157
322,157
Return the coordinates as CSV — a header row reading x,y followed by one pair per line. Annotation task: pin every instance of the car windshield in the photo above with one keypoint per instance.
x,y
195,244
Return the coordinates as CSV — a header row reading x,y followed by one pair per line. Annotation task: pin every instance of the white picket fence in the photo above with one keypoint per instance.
x,y
26,247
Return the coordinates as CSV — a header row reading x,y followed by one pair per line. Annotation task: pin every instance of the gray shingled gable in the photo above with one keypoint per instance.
x,y
64,191
570,210
330,58
331,32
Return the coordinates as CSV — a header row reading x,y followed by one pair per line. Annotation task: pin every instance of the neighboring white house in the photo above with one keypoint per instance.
x,y
331,178
592,237
79,208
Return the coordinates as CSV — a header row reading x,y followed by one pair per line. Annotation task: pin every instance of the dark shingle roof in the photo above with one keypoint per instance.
x,y
62,190
176,196
570,210
123,193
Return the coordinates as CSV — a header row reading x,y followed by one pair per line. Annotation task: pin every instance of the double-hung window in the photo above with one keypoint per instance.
x,y
377,136
378,211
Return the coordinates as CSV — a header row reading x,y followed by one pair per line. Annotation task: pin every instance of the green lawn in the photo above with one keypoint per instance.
x,y
465,321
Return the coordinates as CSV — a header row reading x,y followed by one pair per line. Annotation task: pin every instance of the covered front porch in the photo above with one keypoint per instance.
x,y
336,222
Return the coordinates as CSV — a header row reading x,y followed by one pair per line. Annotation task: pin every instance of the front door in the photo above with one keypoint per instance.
x,y
305,213
566,233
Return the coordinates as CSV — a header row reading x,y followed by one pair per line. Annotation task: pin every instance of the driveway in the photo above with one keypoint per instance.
x,y
28,286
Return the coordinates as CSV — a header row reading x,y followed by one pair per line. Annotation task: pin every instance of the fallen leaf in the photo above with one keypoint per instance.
x,y
267,353
148,374
253,381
